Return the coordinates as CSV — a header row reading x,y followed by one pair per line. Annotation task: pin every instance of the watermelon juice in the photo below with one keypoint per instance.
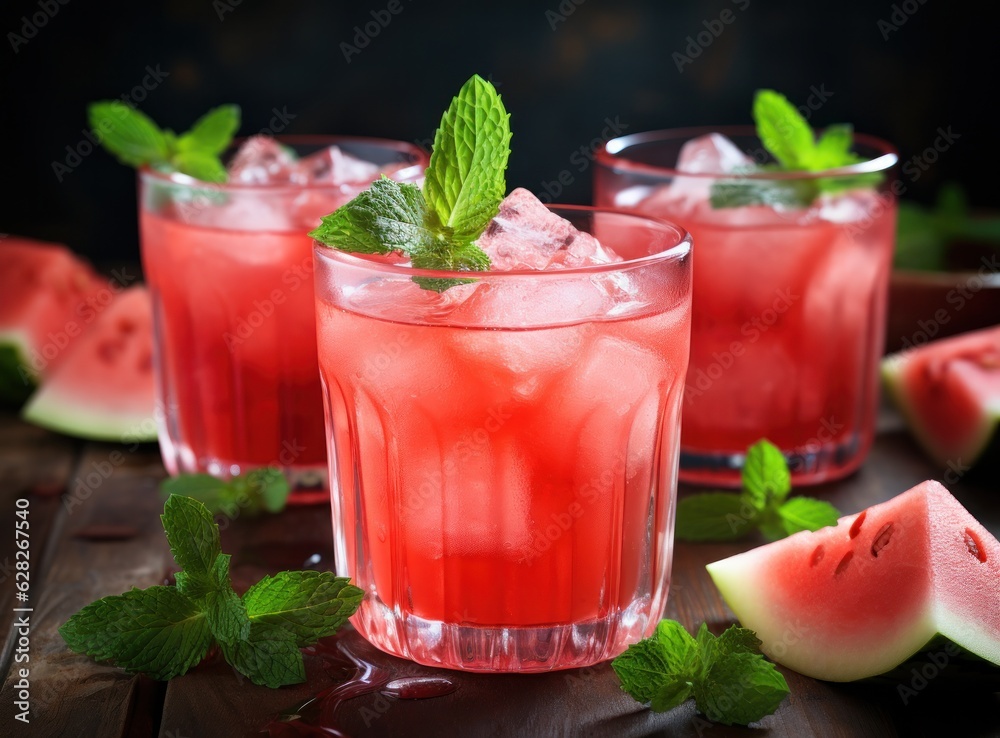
x,y
788,307
229,268
504,453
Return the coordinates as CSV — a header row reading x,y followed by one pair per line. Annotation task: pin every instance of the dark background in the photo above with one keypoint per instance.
x,y
563,76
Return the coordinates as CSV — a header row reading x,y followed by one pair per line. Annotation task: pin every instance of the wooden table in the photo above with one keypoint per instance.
x,y
95,531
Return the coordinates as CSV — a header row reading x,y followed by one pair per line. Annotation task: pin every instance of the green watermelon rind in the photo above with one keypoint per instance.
x,y
48,409
892,368
17,379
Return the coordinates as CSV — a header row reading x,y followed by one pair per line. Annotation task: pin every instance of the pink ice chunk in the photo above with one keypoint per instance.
x,y
712,154
333,166
261,160
527,235
709,154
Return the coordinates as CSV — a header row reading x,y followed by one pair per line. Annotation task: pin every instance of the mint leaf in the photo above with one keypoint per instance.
x,y
463,187
833,148
763,504
213,132
805,513
156,631
783,130
714,516
270,487
740,688
137,141
659,665
227,615
128,134
193,537
465,178
164,631
248,494
765,476
728,678
268,657
308,604
200,165
787,135
386,217
778,193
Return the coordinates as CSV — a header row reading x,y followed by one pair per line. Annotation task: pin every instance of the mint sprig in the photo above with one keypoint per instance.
x,y
762,505
730,681
137,141
924,236
436,227
786,134
261,490
164,631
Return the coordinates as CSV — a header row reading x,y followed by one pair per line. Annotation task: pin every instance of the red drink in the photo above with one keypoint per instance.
x,y
230,271
788,312
505,451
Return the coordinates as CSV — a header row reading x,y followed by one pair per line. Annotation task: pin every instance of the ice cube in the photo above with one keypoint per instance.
x,y
333,166
709,154
527,235
261,160
712,154
856,206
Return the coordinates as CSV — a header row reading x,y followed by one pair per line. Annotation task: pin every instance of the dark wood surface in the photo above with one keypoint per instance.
x,y
95,531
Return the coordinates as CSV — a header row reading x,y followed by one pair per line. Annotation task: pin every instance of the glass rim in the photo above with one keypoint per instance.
x,y
610,155
407,173
680,248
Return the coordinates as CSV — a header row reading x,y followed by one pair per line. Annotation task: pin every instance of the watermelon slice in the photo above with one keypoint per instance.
x,y
949,392
103,389
45,296
859,599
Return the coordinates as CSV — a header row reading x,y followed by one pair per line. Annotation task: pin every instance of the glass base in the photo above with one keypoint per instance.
x,y
814,465
494,649
309,482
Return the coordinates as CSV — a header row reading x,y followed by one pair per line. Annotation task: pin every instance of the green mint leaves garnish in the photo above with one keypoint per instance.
x,y
137,141
796,148
261,490
762,505
730,681
436,227
924,236
164,631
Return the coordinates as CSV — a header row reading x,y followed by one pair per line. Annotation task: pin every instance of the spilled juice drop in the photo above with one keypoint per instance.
x,y
419,688
317,716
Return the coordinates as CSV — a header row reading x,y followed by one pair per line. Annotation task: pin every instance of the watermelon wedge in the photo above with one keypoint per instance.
x,y
45,296
103,388
949,392
859,599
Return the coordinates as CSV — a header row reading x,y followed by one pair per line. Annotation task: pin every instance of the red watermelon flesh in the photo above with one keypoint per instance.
x,y
859,599
104,388
45,295
949,392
